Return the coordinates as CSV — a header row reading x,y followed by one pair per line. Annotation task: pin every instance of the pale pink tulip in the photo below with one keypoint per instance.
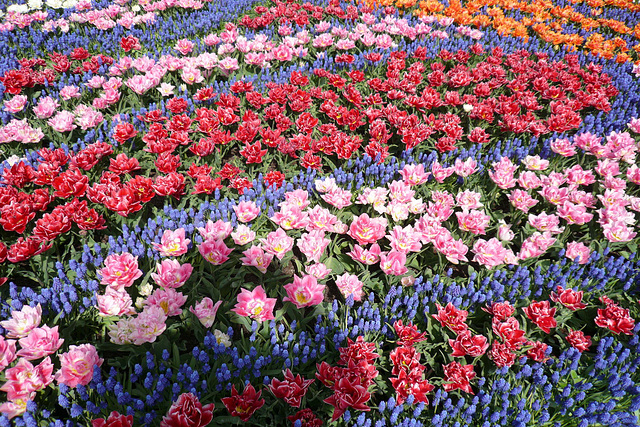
x,y
206,311
77,365
304,292
23,321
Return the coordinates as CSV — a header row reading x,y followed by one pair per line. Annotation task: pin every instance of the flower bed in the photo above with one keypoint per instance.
x,y
309,213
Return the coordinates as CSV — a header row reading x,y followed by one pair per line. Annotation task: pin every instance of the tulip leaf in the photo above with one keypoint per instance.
x,y
335,265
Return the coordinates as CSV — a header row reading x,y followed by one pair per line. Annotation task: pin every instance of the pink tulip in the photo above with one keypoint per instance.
x,y
393,263
77,365
313,244
246,211
319,271
169,300
115,303
39,343
243,235
7,352
120,271
349,284
576,249
215,251
206,311
62,122
489,253
277,243
256,257
23,380
22,322
366,256
290,216
171,274
405,239
414,174
304,292
218,230
173,243
367,230
255,305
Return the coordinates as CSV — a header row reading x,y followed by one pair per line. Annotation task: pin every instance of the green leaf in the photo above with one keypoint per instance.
x,y
335,265
319,309
176,355
470,270
242,320
220,421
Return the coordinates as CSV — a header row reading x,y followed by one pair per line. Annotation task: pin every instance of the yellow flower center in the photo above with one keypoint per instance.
x,y
364,233
165,306
302,298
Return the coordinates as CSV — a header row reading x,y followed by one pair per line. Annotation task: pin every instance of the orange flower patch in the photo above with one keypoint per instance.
x,y
553,23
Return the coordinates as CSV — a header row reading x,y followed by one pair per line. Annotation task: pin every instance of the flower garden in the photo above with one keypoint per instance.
x,y
306,213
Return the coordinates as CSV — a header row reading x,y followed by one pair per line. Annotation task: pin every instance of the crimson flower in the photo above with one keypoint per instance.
x,y
468,344
206,184
23,249
569,298
292,389
357,351
411,382
79,54
253,152
307,418
167,163
16,216
70,183
123,164
229,171
538,351
177,105
451,317
541,314
245,404
361,372
124,132
274,178
19,175
115,420
510,332
345,58
348,395
187,411
142,188
130,43
123,201
171,184
405,358
500,310
310,160
457,376
240,184
51,225
579,340
502,355
3,252
327,374
616,319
